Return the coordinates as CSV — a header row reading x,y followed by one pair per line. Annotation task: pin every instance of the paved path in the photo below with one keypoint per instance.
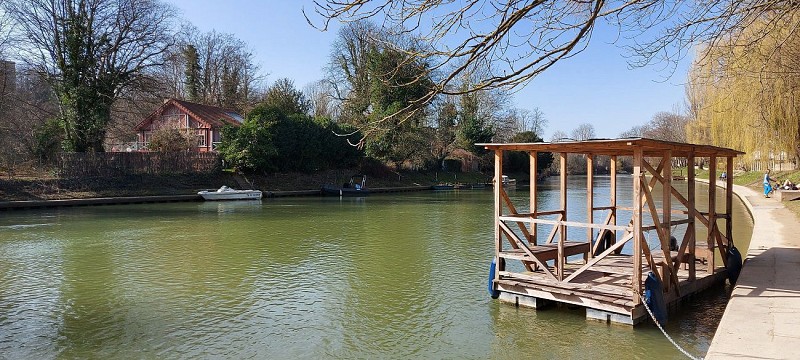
x,y
762,319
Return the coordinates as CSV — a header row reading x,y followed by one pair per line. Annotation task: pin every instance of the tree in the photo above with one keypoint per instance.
x,y
743,92
517,40
559,135
348,72
283,96
90,51
519,161
321,99
583,132
530,120
192,73
667,126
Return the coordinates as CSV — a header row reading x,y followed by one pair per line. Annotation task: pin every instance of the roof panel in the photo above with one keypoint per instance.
x,y
625,146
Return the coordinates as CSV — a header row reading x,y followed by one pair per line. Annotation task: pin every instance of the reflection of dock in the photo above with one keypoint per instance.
x,y
534,267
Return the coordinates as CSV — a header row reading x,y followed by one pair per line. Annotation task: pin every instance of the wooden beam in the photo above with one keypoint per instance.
x,y
513,210
729,201
590,199
521,245
600,233
560,223
533,157
498,211
690,208
636,278
613,194
552,235
601,256
712,210
561,228
666,206
599,208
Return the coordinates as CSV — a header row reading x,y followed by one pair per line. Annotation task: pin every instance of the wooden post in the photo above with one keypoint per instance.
x,y
589,199
666,207
562,229
534,170
613,194
690,208
498,211
729,201
712,211
636,279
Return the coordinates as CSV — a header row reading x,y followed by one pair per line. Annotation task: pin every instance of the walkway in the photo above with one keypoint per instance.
x,y
762,319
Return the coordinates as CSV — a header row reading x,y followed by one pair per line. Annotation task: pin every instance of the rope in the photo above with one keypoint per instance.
x,y
690,356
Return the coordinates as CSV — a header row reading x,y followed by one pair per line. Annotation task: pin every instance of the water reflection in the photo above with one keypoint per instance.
x,y
397,276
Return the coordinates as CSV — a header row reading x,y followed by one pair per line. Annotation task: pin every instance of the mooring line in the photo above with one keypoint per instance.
x,y
690,356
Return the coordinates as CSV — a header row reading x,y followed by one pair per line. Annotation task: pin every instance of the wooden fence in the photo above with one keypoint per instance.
x,y
80,165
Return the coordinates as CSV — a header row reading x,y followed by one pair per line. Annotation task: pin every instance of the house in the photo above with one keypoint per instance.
x,y
203,121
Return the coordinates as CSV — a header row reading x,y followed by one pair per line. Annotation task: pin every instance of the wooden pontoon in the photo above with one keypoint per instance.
x,y
605,281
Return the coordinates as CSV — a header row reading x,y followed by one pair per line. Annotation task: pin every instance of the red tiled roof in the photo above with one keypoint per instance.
x,y
213,116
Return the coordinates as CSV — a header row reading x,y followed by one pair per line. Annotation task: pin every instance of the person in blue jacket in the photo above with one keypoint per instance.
x,y
767,186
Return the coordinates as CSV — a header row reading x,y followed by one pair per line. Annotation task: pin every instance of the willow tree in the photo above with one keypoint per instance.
x,y
517,40
745,91
90,51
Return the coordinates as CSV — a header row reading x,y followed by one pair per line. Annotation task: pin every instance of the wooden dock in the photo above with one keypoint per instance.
x,y
534,267
604,290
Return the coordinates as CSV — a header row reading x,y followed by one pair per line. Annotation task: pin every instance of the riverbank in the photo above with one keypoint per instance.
x,y
43,188
761,318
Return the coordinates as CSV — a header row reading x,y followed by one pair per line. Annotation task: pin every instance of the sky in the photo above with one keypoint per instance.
x,y
596,86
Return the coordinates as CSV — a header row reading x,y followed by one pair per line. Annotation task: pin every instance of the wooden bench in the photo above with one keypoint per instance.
x,y
547,252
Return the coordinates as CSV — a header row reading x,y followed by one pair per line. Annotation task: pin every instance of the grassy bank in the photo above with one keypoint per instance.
x,y
754,180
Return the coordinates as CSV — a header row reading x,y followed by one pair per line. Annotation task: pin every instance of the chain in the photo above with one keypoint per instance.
x,y
665,332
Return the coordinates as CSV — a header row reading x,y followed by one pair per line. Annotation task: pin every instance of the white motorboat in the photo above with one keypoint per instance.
x,y
226,193
509,183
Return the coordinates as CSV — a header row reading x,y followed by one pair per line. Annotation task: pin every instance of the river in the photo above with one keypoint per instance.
x,y
387,276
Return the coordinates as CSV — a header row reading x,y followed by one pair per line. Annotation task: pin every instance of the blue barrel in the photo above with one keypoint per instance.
x,y
654,297
494,293
734,264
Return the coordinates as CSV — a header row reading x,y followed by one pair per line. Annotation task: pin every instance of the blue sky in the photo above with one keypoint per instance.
x,y
596,86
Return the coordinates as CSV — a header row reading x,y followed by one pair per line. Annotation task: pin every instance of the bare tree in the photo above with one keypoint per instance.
x,y
584,132
559,135
517,40
530,120
90,51
321,99
668,126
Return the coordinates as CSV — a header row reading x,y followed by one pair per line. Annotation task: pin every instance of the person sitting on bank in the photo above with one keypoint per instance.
x,y
788,185
767,186
723,176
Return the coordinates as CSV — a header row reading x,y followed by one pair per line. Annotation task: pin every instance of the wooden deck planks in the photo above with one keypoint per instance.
x,y
607,285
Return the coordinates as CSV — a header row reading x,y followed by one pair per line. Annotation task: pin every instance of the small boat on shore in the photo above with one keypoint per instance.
x,y
226,193
356,187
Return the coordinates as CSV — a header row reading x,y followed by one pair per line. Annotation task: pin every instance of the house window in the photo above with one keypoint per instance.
x,y
201,137
175,121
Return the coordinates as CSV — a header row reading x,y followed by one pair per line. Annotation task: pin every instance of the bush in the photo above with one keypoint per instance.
x,y
271,140
47,141
170,140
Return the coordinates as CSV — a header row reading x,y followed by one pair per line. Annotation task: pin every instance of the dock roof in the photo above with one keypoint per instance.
x,y
619,147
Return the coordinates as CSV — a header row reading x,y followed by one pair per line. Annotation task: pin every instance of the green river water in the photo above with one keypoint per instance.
x,y
387,276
